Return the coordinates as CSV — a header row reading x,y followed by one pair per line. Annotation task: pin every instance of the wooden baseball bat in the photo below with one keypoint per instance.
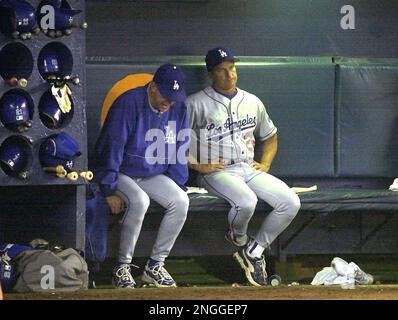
x,y
58,170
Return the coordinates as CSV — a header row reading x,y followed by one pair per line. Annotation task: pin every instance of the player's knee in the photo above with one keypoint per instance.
x,y
247,205
292,205
181,203
142,202
181,200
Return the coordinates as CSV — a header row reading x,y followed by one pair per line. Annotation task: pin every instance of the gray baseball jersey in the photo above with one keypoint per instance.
x,y
226,128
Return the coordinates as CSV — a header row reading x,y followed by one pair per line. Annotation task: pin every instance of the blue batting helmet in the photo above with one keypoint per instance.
x,y
55,59
51,114
59,149
55,3
49,62
14,111
15,155
17,15
63,14
64,18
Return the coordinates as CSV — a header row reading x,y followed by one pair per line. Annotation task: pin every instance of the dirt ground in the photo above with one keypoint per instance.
x,y
283,292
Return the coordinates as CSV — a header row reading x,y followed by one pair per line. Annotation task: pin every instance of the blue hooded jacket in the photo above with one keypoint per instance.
x,y
123,147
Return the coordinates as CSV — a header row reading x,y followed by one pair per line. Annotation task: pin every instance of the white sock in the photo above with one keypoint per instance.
x,y
254,250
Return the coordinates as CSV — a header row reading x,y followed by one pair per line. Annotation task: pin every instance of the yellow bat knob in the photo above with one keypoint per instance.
x,y
88,175
73,176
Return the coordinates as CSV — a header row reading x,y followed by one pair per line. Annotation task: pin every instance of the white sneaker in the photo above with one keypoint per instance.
x,y
158,276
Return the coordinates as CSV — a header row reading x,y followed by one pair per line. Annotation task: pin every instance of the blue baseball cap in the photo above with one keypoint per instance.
x,y
170,81
217,56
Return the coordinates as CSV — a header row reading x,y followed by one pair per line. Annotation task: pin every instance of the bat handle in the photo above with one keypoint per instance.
x,y
58,170
72,176
88,175
22,82
13,81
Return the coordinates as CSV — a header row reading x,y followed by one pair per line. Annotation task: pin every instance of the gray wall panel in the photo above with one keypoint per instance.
x,y
299,99
368,119
255,27
298,93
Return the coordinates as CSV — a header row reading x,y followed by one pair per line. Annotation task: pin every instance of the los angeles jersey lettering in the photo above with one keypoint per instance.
x,y
230,125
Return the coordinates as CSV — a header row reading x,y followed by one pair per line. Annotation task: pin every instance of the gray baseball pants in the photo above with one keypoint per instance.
x,y
136,193
241,185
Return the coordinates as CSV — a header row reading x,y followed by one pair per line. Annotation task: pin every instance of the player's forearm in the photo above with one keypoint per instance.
x,y
269,149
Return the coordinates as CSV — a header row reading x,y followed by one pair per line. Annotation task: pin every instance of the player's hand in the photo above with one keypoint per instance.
x,y
260,166
116,204
208,167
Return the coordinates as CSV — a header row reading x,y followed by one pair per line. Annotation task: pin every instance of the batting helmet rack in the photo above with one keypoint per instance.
x,y
43,60
35,68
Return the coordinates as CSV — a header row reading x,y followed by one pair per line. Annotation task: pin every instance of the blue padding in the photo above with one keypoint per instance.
x,y
367,120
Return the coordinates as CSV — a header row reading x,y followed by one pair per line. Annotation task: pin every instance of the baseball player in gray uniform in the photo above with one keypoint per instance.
x,y
225,121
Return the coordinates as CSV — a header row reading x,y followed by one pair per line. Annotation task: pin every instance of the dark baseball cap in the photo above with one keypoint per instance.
x,y
170,81
217,56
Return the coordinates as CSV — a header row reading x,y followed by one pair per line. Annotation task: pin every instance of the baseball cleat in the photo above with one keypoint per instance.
x,y
239,242
122,277
158,276
254,267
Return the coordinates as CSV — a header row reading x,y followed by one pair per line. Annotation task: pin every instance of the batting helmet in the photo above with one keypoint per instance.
x,y
15,156
49,62
14,112
64,18
55,59
17,15
51,114
59,149
63,14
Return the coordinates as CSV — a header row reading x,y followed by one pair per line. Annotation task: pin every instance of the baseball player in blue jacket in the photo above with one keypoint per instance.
x,y
226,120
142,155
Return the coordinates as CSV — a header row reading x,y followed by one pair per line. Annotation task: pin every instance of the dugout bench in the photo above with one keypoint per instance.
x,y
337,129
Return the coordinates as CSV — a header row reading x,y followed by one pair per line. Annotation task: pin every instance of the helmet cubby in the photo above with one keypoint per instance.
x,y
33,69
16,110
16,64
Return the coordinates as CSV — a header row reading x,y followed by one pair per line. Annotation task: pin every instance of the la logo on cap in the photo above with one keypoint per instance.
x,y
223,54
176,85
